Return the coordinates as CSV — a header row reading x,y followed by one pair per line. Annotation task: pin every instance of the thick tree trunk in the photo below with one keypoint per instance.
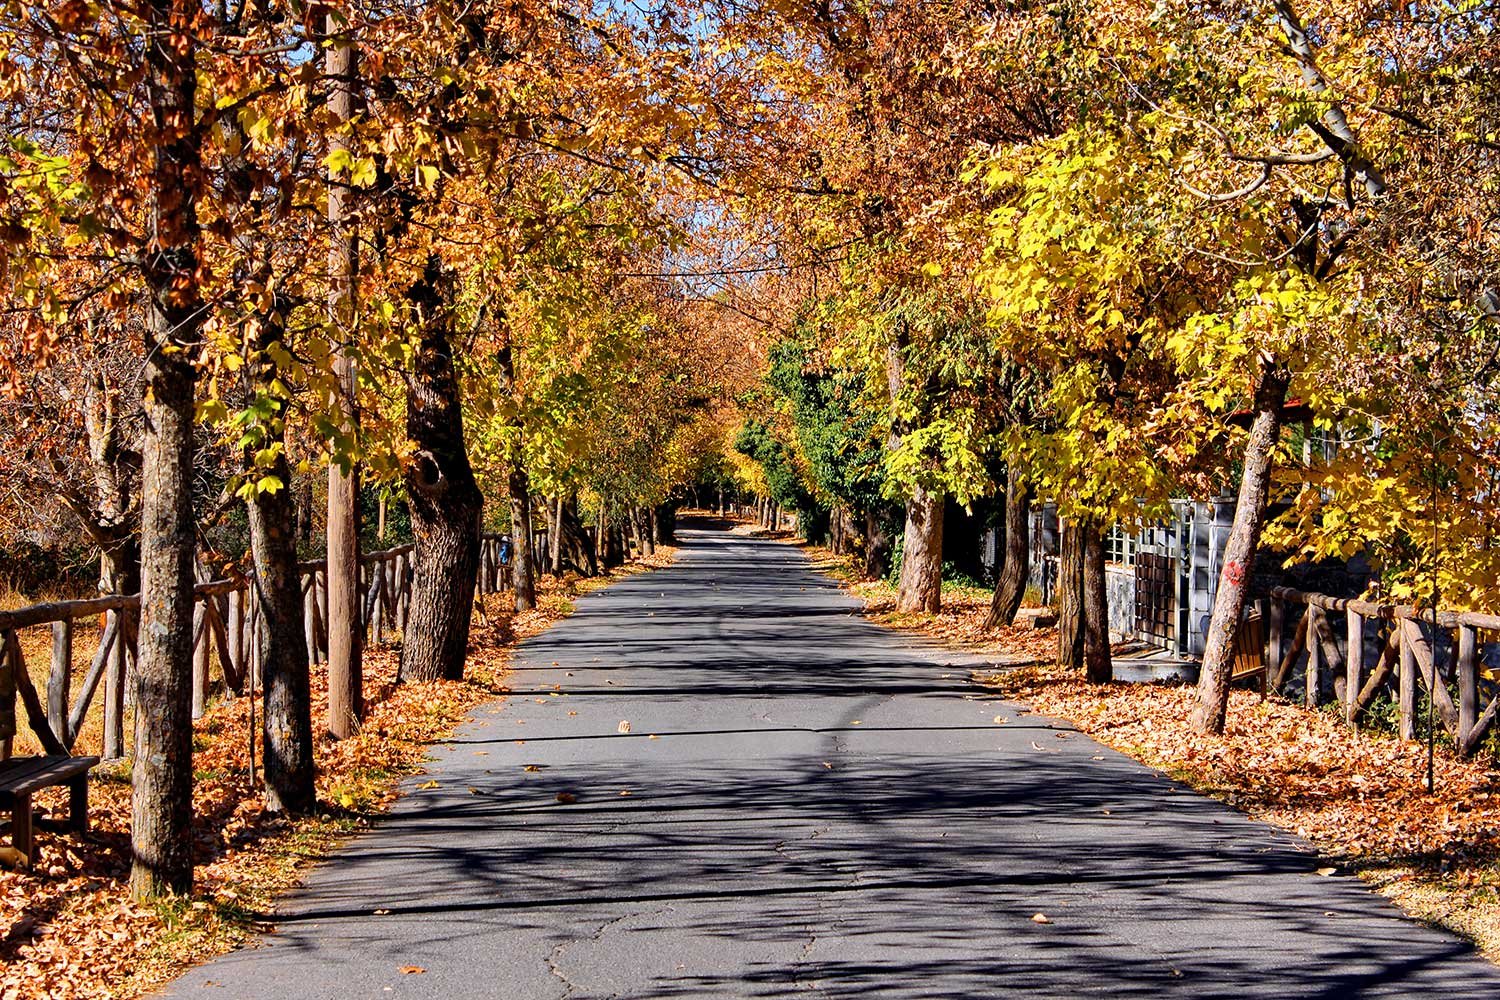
x,y
1239,551
523,565
1015,570
1096,656
346,633
1070,611
444,499
921,585
281,638
161,840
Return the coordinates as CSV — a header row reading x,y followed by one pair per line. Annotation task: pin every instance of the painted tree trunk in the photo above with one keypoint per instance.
x,y
1239,551
346,632
1070,611
281,638
1015,568
1097,663
921,585
443,497
161,841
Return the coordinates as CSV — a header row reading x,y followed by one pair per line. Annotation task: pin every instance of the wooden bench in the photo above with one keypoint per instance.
x,y
1250,653
22,776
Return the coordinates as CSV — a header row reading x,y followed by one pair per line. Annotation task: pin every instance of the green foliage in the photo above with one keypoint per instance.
x,y
841,440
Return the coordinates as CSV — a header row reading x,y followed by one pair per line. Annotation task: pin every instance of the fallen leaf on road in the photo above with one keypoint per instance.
x,y
1325,871
1001,720
653,736
572,713
428,784
623,727
566,798
473,790
1040,918
412,970
1037,746
856,722
625,793
382,913
532,767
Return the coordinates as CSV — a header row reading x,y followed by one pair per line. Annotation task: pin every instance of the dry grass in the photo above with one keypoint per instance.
x,y
70,929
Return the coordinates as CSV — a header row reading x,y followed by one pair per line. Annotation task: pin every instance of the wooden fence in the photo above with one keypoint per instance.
x,y
226,623
1398,642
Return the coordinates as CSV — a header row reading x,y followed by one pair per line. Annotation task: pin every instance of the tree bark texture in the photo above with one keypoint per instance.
x,y
346,632
921,584
1070,611
282,640
877,547
555,536
523,565
1239,551
1015,569
444,499
162,777
643,531
1096,656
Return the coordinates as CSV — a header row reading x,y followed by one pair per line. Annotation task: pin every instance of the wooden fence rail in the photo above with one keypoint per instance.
x,y
1404,653
226,624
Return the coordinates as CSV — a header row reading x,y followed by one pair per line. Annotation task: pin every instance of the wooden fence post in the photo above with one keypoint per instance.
x,y
1354,665
200,659
114,693
1406,684
1468,687
1314,678
60,679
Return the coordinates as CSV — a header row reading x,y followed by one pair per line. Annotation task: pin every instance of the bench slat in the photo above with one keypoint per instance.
x,y
24,775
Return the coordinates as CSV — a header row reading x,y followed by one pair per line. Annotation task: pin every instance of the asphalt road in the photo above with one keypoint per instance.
x,y
716,780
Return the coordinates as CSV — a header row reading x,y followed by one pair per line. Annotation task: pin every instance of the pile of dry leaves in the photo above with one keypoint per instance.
x,y
70,928
1359,796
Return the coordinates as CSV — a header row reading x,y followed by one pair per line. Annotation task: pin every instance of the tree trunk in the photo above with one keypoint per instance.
x,y
523,560
1010,587
1070,611
444,499
523,566
161,840
1239,551
281,637
1096,656
305,510
643,531
346,632
877,547
921,586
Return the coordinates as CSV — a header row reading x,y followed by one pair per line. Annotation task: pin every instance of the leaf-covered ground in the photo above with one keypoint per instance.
x,y
1359,796
69,930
